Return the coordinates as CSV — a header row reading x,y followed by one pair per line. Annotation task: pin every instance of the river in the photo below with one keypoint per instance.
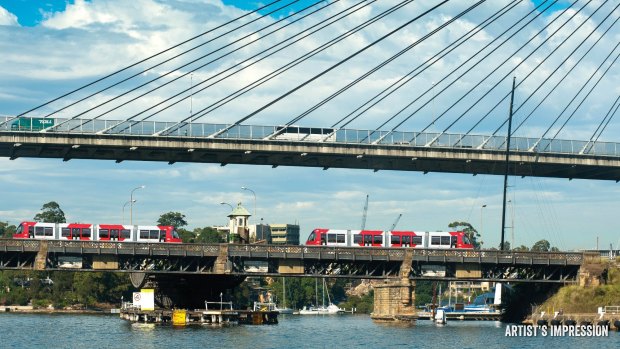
x,y
293,331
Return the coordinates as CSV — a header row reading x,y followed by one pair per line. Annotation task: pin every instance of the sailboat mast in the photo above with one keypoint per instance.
x,y
512,97
284,292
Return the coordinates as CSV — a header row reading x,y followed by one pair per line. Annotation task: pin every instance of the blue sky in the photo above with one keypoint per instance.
x,y
55,47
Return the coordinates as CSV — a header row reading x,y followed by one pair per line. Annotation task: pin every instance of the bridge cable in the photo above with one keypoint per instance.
x,y
610,115
331,68
143,60
507,74
548,76
425,65
232,96
583,100
470,68
382,64
576,95
169,60
557,84
187,64
201,113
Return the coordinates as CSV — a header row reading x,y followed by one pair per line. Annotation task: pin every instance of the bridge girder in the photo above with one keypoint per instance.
x,y
306,154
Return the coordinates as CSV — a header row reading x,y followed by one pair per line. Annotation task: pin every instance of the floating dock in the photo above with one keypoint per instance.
x,y
220,314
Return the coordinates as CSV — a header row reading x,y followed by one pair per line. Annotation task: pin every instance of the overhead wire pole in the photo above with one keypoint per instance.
x,y
512,97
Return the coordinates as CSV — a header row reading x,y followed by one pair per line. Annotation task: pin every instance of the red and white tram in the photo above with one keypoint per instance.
x,y
97,232
379,238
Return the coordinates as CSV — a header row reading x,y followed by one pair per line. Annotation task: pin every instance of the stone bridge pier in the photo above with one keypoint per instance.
x,y
395,298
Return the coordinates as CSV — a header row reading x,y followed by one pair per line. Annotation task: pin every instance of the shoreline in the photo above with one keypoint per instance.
x,y
30,310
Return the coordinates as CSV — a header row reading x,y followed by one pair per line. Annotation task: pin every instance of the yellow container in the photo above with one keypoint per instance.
x,y
179,317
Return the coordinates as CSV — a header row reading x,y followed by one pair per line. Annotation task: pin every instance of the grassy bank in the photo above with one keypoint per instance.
x,y
576,299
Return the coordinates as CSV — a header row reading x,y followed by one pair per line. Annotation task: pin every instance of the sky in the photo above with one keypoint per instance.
x,y
50,47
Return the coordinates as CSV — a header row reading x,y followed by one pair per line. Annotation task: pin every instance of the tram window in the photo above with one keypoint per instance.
x,y
104,233
162,235
311,237
416,240
357,239
453,241
125,233
445,240
406,239
367,239
38,231
114,233
86,232
395,239
331,237
154,234
49,231
377,239
340,239
75,232
144,234
435,240
65,232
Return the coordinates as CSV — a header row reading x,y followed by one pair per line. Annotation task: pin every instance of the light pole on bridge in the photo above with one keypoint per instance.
x,y
248,189
125,205
131,201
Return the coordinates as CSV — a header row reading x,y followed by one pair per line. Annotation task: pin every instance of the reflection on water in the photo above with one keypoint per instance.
x,y
328,331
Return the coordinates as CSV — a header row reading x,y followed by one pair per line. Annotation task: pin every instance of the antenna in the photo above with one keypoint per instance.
x,y
365,212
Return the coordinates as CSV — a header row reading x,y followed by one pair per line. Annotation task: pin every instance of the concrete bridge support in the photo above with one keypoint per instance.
x,y
395,298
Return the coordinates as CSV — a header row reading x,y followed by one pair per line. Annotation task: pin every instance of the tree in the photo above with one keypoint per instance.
x,y
51,213
506,246
208,235
6,230
175,219
522,248
469,231
541,246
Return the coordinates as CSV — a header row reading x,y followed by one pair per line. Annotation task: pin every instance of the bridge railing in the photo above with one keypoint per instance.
x,y
313,135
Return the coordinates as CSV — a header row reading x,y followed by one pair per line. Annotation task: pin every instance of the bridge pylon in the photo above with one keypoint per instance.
x,y
395,298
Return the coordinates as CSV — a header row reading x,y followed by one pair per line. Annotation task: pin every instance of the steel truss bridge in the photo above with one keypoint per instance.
x,y
312,147
274,260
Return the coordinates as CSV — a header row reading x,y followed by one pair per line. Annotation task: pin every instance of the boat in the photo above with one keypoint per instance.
x,y
284,309
322,310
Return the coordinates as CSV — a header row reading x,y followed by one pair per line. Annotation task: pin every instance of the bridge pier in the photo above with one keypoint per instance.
x,y
185,291
395,298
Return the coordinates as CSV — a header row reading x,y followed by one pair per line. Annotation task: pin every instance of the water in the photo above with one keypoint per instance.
x,y
293,331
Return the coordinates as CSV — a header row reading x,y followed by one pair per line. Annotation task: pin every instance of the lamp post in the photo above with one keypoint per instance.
x,y
248,189
131,201
225,203
481,226
125,205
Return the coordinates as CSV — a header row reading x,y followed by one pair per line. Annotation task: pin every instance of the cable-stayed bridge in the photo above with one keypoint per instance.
x,y
379,85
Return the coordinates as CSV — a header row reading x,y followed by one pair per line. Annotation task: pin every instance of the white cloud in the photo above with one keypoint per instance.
x,y
91,39
7,18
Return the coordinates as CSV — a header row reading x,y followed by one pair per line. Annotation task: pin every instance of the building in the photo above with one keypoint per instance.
x,y
284,234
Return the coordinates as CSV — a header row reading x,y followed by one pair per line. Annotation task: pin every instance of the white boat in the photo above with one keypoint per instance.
x,y
284,309
322,310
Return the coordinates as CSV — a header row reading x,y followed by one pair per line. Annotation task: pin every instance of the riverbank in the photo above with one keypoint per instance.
x,y
28,309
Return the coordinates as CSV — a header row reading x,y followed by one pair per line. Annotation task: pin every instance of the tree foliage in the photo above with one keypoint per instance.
x,y
175,219
541,246
51,213
6,230
469,231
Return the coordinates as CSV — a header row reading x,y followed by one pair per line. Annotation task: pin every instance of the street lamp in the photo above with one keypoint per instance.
x,y
125,205
481,227
131,201
225,203
248,189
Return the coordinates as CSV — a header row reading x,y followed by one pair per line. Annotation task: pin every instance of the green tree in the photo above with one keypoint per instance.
x,y
522,248
175,219
541,246
506,246
469,231
208,235
6,230
51,213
